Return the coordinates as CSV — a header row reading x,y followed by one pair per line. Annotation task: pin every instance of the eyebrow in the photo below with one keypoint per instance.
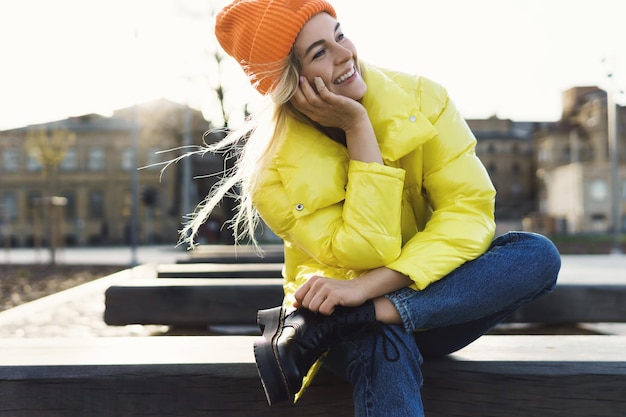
x,y
317,43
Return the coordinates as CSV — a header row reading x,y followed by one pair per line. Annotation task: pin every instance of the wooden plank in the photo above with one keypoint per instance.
x,y
569,275
512,376
517,354
548,372
576,303
203,302
587,269
235,254
191,302
160,376
205,270
210,250
40,352
233,259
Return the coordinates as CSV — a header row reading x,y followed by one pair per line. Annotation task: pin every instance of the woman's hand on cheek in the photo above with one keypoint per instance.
x,y
327,108
322,295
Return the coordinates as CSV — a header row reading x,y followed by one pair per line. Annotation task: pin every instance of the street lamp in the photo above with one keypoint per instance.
x,y
614,155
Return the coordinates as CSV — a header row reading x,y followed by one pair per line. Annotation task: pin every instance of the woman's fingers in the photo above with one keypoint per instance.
x,y
321,294
308,93
319,84
304,98
308,98
325,107
309,294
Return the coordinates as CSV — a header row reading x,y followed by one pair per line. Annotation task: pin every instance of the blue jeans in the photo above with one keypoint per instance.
x,y
383,362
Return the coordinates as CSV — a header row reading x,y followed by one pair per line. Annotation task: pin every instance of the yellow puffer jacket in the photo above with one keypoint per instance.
x,y
424,213
428,210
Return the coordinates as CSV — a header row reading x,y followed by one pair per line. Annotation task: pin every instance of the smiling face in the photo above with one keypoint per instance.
x,y
325,52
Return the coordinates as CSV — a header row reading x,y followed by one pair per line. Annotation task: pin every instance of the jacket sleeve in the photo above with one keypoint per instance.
x,y
461,196
359,231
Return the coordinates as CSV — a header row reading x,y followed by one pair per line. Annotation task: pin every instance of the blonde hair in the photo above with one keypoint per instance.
x,y
254,143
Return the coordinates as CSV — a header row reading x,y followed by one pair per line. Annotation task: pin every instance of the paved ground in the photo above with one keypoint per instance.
x,y
78,312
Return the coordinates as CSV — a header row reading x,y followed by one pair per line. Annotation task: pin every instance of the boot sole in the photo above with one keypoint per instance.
x,y
266,357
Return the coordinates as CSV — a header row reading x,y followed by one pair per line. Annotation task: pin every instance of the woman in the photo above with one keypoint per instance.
x,y
371,179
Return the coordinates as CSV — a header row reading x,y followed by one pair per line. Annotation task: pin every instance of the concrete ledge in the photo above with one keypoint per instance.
x,y
512,376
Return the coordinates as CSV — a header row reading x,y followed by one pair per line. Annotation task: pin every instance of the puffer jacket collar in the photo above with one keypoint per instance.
x,y
313,168
399,125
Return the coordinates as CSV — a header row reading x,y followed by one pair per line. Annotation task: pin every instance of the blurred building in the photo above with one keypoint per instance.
x,y
94,176
506,149
574,167
555,177
551,177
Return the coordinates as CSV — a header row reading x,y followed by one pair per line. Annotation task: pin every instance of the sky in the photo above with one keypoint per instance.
x,y
509,58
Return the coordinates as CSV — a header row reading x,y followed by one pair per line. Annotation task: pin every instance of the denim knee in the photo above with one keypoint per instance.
x,y
540,251
517,268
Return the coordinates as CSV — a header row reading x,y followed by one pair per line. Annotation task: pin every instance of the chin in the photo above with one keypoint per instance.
x,y
359,92
358,87
355,90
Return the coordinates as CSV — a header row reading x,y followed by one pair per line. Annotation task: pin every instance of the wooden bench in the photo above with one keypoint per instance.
x,y
193,302
216,270
497,376
234,254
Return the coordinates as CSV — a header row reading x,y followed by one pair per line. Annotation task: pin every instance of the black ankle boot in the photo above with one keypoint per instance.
x,y
292,343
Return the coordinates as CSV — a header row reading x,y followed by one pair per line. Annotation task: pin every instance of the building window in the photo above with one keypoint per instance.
x,y
10,160
8,207
96,205
598,190
70,160
599,223
127,159
544,155
516,170
33,164
126,205
96,159
566,154
34,206
70,206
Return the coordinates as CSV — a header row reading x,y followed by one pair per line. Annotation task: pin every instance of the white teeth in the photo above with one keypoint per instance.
x,y
345,76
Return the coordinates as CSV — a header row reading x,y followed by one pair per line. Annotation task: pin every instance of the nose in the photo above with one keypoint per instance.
x,y
343,54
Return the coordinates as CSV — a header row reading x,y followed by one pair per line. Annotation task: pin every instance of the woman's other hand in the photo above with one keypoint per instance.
x,y
322,295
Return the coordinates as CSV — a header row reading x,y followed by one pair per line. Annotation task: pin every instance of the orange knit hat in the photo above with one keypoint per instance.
x,y
259,34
